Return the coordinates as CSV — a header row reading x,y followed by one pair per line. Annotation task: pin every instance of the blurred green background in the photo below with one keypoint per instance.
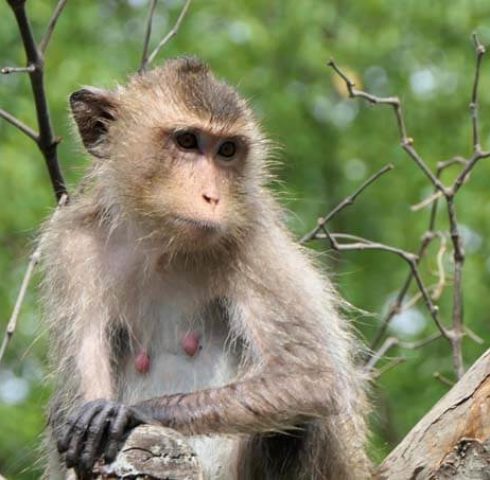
x,y
275,51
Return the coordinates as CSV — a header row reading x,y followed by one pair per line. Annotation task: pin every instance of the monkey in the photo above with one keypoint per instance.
x,y
174,294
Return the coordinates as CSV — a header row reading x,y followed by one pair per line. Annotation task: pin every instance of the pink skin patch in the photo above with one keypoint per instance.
x,y
142,362
190,343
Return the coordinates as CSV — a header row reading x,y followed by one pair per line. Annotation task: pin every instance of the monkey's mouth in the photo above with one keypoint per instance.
x,y
204,226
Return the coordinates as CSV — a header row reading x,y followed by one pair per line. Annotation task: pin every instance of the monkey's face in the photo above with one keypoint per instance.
x,y
191,184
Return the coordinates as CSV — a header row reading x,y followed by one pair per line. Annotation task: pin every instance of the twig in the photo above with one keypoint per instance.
x,y
471,334
392,342
43,44
480,51
46,140
33,261
458,257
444,380
167,37
20,125
394,102
343,204
427,201
7,70
149,22
388,344
389,366
364,244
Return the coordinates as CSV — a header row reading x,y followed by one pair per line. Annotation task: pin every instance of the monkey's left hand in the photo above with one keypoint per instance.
x,y
96,430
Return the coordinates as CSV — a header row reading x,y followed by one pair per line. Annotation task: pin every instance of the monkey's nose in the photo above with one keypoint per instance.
x,y
211,199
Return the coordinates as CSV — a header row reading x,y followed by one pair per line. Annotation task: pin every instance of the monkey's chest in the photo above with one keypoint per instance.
x,y
174,350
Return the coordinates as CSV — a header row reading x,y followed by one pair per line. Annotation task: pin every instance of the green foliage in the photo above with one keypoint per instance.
x,y
276,52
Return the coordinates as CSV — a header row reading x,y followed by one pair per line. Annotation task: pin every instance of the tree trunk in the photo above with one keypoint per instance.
x,y
153,453
453,440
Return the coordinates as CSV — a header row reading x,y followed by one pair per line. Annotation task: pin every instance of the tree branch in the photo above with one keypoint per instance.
x,y
43,44
167,37
343,204
20,125
33,261
47,142
149,22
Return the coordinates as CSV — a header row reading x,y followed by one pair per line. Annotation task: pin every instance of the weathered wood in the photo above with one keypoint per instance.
x,y
453,440
153,453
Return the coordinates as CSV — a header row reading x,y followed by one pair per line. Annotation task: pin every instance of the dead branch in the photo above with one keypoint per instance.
x,y
343,204
453,440
153,452
33,261
147,60
46,139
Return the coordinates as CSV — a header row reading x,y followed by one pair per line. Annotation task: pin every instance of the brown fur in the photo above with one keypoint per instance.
x,y
121,267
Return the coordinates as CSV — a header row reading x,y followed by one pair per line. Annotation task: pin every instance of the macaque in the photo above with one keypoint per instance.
x,y
175,295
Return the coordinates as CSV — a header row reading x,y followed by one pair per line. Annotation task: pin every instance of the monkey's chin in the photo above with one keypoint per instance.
x,y
206,232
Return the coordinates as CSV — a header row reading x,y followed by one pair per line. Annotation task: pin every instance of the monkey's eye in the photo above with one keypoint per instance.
x,y
187,140
227,149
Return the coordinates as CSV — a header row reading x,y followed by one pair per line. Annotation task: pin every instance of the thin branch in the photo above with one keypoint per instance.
x,y
43,44
473,336
478,154
8,70
426,201
47,141
33,261
343,204
444,380
458,257
359,243
169,35
392,342
480,51
149,22
394,102
388,344
389,366
20,125
397,304
12,324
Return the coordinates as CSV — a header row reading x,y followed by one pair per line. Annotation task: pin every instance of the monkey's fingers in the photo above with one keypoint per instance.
x,y
93,440
119,426
75,433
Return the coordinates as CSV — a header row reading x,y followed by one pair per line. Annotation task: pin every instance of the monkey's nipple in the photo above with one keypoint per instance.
x,y
142,362
190,343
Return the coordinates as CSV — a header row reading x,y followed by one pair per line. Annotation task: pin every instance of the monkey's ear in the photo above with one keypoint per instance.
x,y
93,111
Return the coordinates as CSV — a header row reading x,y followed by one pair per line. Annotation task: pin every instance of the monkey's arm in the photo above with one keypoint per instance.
x,y
77,318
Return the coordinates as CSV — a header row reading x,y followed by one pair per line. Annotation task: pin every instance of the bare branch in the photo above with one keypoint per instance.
x,y
343,204
388,344
7,70
149,22
33,261
359,243
394,102
47,141
20,125
43,44
389,366
392,342
473,336
169,35
480,51
458,257
444,380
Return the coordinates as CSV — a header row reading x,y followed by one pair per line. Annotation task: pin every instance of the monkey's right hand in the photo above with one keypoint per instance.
x,y
97,429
